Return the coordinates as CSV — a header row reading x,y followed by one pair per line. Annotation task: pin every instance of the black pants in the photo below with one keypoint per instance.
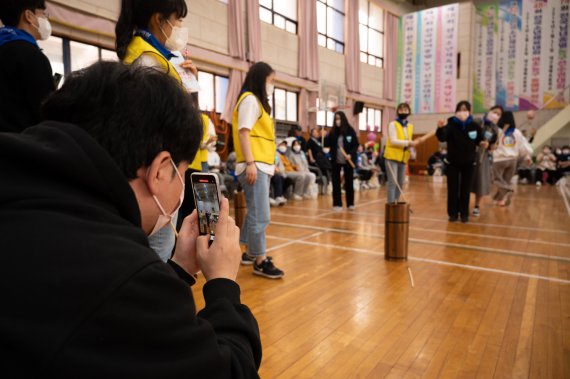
x,y
188,205
277,183
348,185
458,189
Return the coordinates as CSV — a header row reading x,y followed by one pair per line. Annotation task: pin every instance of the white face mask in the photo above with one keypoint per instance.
x,y
269,88
44,27
282,149
493,117
297,148
165,219
326,150
565,151
462,115
178,38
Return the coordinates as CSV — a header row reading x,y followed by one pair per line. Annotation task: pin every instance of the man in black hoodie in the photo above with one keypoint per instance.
x,y
83,295
25,72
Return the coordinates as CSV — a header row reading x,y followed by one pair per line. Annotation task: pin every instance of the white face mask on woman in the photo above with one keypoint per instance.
x,y
297,148
493,117
165,219
178,38
269,88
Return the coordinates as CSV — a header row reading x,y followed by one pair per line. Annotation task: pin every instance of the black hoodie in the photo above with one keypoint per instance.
x,y
83,296
462,140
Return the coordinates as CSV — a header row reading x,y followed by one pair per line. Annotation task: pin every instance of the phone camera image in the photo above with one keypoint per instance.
x,y
208,207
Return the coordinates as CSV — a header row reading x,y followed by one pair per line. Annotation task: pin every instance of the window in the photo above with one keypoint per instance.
x,y
371,20
324,118
370,120
213,91
281,13
284,105
66,55
330,24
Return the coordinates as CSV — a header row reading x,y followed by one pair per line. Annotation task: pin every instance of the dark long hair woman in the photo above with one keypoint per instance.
x,y
343,143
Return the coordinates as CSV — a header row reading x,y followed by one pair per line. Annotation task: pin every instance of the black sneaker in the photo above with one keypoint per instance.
x,y
247,260
464,220
453,218
267,269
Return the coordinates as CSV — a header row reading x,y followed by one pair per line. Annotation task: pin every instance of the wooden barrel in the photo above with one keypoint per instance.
x,y
396,231
240,207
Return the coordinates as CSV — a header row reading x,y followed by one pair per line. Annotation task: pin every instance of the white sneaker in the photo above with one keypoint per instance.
x,y
524,181
297,197
281,200
538,183
273,202
351,208
337,209
307,196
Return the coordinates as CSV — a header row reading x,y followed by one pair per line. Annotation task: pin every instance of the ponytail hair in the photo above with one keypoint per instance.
x,y
136,14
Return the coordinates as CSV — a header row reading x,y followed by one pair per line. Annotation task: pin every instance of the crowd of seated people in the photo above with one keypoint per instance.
x,y
302,168
548,166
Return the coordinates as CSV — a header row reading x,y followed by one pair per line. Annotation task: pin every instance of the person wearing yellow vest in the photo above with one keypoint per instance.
x,y
254,139
148,33
397,152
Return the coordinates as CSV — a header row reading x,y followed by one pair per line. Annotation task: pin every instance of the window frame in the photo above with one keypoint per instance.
x,y
214,91
363,128
382,36
286,18
326,35
285,120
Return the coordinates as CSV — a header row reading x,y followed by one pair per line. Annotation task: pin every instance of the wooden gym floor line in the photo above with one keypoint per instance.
x,y
491,298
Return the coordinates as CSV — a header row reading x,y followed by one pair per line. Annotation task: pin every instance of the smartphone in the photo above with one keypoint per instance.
x,y
207,195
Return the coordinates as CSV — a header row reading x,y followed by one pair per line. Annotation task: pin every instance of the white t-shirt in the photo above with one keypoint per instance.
x,y
248,114
393,135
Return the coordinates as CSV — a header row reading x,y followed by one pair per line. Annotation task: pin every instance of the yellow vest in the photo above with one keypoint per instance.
x,y
261,138
202,154
397,153
139,46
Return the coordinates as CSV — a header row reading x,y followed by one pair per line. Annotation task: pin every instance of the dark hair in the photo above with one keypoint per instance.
x,y
134,113
462,103
507,119
11,10
255,83
344,125
499,107
136,14
404,105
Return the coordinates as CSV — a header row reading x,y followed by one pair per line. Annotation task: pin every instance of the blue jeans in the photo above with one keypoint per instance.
x,y
162,242
257,219
399,170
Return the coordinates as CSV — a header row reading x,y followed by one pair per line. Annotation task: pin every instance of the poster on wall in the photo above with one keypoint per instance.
x,y
427,56
521,57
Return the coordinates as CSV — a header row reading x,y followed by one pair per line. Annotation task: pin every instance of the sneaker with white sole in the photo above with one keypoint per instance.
x,y
247,260
538,183
267,269
273,202
337,209
476,212
351,208
281,200
297,197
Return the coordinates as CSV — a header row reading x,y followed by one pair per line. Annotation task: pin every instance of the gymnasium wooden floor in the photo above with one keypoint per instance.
x,y
491,298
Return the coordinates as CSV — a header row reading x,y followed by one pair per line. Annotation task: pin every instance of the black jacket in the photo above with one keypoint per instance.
x,y
83,296
460,144
25,81
350,143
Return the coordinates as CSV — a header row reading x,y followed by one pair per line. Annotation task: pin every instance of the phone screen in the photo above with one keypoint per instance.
x,y
207,203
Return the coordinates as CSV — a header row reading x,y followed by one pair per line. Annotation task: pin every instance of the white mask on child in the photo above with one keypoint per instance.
x,y
282,149
297,148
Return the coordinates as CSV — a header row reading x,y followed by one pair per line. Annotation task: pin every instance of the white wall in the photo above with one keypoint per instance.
x,y
207,25
280,49
103,8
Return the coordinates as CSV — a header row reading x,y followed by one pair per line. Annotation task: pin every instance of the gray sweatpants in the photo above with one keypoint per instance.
x,y
503,172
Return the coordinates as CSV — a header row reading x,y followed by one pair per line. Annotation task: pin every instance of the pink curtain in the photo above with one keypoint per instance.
x,y
237,50
235,29
390,55
253,31
308,46
388,115
307,99
352,47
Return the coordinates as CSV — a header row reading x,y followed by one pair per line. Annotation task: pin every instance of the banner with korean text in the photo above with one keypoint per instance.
x,y
427,53
521,54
